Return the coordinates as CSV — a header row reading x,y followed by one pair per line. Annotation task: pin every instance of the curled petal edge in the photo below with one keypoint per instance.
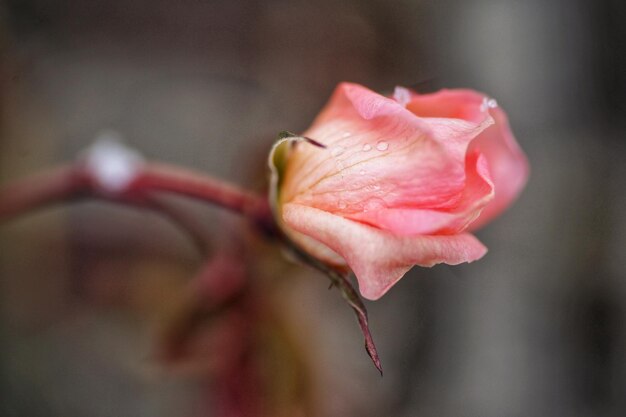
x,y
508,165
378,258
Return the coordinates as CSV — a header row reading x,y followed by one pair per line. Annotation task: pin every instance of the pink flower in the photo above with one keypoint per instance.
x,y
401,181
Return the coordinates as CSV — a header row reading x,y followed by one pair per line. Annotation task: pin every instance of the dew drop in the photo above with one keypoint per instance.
x,y
338,150
488,103
402,95
367,147
382,146
374,204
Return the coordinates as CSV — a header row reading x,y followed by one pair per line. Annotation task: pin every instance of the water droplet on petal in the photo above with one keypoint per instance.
x,y
402,95
374,204
367,147
488,103
382,146
337,150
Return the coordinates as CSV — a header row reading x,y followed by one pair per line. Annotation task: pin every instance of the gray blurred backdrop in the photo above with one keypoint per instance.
x,y
536,328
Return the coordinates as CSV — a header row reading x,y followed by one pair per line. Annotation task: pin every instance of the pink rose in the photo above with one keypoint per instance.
x,y
401,181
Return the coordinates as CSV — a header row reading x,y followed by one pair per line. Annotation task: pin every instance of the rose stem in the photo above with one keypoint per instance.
x,y
74,181
69,182
49,187
163,177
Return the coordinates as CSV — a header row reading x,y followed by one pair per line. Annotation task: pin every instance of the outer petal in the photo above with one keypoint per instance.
x,y
378,258
403,221
380,156
507,163
461,104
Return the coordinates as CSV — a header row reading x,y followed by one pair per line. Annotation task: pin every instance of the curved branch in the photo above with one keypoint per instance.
x,y
74,181
49,187
189,183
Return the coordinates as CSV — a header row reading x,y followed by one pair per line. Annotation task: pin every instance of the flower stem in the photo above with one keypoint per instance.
x,y
74,181
185,182
49,187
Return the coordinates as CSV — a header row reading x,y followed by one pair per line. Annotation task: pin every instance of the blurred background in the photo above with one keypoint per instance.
x,y
536,328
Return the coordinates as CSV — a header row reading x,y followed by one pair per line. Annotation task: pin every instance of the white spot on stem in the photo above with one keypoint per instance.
x,y
112,164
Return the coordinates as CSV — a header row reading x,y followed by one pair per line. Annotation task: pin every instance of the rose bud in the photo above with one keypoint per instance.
x,y
381,184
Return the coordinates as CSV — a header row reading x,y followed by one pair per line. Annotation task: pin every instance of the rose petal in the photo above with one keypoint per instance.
x,y
399,181
381,156
378,258
461,104
508,165
403,221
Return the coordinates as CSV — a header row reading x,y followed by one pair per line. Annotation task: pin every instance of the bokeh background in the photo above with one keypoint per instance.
x,y
536,328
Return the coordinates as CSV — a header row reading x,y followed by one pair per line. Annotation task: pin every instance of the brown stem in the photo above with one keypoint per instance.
x,y
238,388
68,182
49,187
163,177
181,219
